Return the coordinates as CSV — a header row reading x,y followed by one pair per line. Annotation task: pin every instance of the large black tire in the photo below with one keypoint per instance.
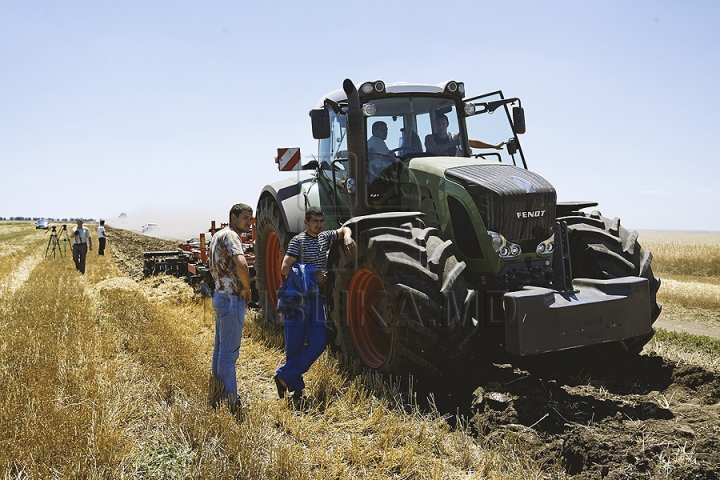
x,y
400,304
601,248
270,244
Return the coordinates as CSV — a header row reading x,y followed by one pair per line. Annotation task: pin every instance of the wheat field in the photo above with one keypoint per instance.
x,y
689,266
106,377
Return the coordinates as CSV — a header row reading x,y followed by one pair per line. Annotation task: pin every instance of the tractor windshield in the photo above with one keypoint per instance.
x,y
412,126
404,126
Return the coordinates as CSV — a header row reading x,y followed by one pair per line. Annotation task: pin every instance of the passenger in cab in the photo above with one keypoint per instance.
x,y
442,142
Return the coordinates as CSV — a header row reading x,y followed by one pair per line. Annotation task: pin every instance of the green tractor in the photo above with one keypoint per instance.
x,y
457,239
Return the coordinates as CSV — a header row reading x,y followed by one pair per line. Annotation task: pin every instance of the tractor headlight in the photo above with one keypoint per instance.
x,y
546,247
503,247
368,109
469,109
497,240
350,185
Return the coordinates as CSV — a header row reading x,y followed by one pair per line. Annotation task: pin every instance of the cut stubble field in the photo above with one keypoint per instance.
x,y
106,376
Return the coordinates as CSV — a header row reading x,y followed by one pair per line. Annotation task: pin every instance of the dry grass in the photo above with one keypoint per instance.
x,y
689,265
106,378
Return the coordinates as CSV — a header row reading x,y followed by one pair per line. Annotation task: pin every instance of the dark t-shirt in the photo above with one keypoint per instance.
x,y
452,151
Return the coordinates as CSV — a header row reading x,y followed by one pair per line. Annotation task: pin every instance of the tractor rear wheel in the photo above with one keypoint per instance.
x,y
400,304
272,240
601,248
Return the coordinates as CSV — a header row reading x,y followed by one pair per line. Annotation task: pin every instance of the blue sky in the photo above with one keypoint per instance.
x,y
173,111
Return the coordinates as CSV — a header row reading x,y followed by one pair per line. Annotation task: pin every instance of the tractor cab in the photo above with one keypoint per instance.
x,y
401,122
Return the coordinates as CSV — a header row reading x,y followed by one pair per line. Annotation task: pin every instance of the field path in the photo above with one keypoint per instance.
x,y
19,276
682,326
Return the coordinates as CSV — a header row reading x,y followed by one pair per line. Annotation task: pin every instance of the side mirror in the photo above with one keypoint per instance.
x,y
518,120
320,123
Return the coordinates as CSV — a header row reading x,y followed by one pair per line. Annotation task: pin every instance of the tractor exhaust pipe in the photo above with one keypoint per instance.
x,y
357,150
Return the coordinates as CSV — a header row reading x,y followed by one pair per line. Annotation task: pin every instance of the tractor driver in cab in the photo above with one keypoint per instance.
x,y
442,142
379,156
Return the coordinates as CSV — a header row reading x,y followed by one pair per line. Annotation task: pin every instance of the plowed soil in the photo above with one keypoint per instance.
x,y
646,417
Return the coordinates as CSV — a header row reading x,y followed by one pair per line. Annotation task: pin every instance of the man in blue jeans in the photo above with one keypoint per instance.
x,y
305,332
230,272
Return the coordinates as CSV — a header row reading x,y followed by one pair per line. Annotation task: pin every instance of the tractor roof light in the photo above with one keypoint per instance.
x,y
368,109
455,88
371,88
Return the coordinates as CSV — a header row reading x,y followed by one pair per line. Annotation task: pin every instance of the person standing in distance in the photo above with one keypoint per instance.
x,y
82,240
102,238
229,270
305,334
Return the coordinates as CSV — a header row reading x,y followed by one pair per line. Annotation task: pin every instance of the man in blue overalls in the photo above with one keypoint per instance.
x,y
305,332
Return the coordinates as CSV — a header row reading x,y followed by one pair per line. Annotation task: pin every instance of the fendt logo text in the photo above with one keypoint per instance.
x,y
536,213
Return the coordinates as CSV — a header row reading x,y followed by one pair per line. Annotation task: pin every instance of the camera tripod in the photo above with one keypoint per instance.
x,y
54,240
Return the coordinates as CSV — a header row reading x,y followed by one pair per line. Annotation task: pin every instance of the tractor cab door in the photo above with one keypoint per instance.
x,y
333,172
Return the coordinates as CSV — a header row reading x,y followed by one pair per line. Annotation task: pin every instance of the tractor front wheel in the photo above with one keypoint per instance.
x,y
601,248
400,304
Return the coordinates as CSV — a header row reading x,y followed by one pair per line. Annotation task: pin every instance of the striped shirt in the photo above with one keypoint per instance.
x,y
312,250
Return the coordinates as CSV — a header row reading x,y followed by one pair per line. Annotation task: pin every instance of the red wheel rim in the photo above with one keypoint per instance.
x,y
372,341
273,263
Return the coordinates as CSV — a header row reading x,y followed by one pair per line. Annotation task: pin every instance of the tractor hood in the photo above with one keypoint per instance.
x,y
513,201
438,165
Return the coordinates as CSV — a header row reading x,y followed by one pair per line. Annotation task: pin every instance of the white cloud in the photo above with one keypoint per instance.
x,y
704,191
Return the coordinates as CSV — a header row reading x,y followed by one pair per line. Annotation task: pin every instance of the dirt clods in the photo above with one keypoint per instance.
x,y
648,419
